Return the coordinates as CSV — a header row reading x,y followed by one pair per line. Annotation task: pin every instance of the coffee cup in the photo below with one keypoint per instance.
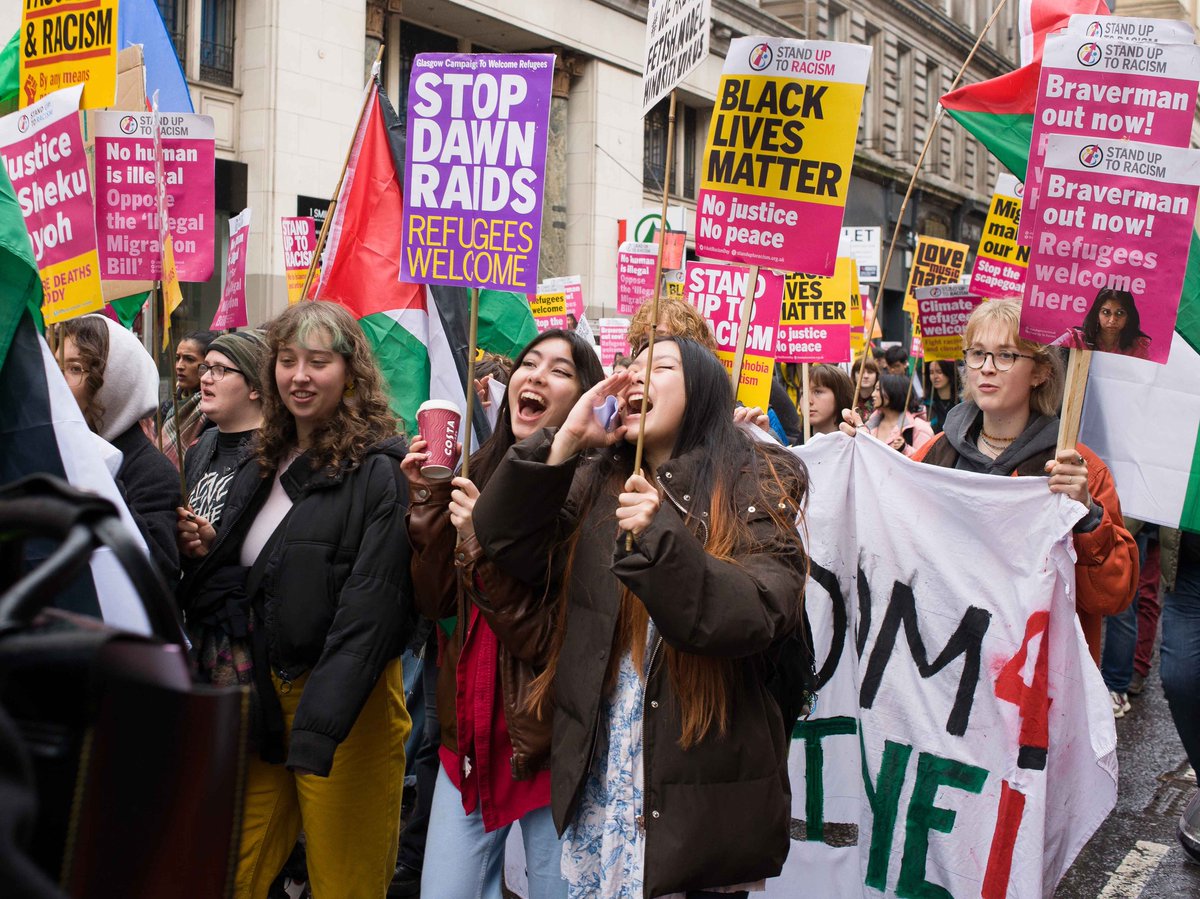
x,y
438,422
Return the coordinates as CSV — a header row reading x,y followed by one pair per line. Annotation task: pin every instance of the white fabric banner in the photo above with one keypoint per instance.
x,y
963,744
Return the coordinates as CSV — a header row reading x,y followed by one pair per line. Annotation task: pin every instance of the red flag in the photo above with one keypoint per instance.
x,y
1039,18
362,251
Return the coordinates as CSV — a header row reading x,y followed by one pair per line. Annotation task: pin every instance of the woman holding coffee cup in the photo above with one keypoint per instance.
x,y
495,749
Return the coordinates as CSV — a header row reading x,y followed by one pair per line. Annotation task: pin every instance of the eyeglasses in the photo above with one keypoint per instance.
x,y
218,370
75,373
1003,360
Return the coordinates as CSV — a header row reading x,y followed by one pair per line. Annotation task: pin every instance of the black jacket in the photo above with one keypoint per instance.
x,y
150,485
716,814
337,595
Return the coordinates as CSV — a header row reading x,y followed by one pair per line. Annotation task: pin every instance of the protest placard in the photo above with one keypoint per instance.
x,y
963,744
676,43
814,321
1115,216
935,261
571,286
1000,260
68,43
1132,28
42,148
126,215
943,311
865,247
299,244
612,339
549,310
231,313
636,264
717,291
1110,89
475,169
776,166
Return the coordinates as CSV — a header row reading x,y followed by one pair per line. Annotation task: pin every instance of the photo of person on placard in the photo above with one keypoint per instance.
x,y
1112,325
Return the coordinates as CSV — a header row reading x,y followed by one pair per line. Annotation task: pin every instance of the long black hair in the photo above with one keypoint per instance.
x,y
1133,320
588,373
894,390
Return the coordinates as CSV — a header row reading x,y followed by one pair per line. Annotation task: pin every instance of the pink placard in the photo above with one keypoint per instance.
x,y
612,339
1112,90
636,264
717,289
125,205
232,311
1104,225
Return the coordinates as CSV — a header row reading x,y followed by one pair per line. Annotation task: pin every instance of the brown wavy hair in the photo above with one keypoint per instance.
x,y
726,456
361,420
90,334
676,316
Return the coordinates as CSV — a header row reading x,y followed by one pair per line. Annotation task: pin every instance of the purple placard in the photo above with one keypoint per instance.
x,y
474,169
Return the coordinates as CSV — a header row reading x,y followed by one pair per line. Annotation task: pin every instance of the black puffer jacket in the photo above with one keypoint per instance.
x,y
150,485
716,814
337,595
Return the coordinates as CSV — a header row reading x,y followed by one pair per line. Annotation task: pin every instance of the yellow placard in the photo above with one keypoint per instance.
x,y
68,42
857,325
545,305
72,288
935,261
172,296
813,300
754,388
766,146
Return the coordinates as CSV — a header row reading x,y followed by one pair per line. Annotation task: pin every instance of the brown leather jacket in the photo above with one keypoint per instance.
x,y
446,576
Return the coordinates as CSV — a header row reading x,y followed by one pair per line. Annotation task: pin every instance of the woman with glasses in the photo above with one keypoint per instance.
x,y
1112,325
1007,424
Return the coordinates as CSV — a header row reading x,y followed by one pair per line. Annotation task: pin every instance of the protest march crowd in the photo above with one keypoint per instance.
x,y
586,595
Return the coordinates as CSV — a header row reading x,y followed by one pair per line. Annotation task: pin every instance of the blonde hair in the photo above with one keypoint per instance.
x,y
679,319
1005,317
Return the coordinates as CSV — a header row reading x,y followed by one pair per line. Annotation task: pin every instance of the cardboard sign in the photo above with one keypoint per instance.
x,y
776,166
42,149
1105,223
814,321
475,169
1112,90
636,264
126,213
935,261
299,244
717,291
676,43
232,311
865,247
68,43
549,310
1000,261
612,339
571,287
943,311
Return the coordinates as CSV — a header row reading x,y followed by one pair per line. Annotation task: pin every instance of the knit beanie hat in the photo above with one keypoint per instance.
x,y
247,350
130,388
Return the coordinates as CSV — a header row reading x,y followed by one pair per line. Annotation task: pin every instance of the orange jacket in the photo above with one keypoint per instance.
x,y
1106,571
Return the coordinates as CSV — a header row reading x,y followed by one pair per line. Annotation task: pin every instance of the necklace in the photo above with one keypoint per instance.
x,y
1001,440
995,449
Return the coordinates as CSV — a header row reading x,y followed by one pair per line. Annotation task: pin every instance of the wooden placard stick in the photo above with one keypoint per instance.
x,y
472,341
316,256
804,388
739,356
1078,364
662,243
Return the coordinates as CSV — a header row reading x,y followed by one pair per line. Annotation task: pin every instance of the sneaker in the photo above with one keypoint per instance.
x,y
1120,703
1137,684
1189,829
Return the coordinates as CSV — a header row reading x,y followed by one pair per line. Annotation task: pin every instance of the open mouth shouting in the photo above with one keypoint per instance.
x,y
530,406
633,405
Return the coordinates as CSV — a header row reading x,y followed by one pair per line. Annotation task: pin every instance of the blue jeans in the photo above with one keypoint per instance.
x,y
1120,634
1180,664
464,862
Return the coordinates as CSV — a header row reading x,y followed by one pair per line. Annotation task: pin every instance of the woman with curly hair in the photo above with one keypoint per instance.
x,y
327,555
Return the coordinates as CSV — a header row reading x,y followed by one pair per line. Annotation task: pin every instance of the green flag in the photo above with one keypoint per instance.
x,y
20,284
505,322
10,67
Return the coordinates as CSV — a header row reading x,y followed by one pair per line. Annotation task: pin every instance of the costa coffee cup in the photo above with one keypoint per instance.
x,y
439,422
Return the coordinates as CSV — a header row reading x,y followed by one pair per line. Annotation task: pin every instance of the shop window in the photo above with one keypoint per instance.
x,y
413,40
654,150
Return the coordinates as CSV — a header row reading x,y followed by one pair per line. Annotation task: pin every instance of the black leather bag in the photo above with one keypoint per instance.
x,y
138,771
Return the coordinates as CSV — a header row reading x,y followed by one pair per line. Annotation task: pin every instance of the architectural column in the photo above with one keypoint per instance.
x,y
553,260
376,16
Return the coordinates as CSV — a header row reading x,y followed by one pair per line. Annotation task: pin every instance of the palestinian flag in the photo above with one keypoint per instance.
x,y
41,427
1038,18
419,332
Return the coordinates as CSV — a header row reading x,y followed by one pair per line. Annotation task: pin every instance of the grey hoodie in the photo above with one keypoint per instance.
x,y
130,388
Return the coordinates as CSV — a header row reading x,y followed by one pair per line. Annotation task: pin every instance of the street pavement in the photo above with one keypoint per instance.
x,y
1135,854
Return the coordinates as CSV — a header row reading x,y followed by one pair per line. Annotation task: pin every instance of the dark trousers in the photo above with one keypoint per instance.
x,y
424,765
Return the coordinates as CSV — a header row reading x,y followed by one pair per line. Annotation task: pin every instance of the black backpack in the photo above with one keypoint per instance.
x,y
792,675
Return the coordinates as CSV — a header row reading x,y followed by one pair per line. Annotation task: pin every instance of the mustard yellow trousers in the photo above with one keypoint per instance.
x,y
351,819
